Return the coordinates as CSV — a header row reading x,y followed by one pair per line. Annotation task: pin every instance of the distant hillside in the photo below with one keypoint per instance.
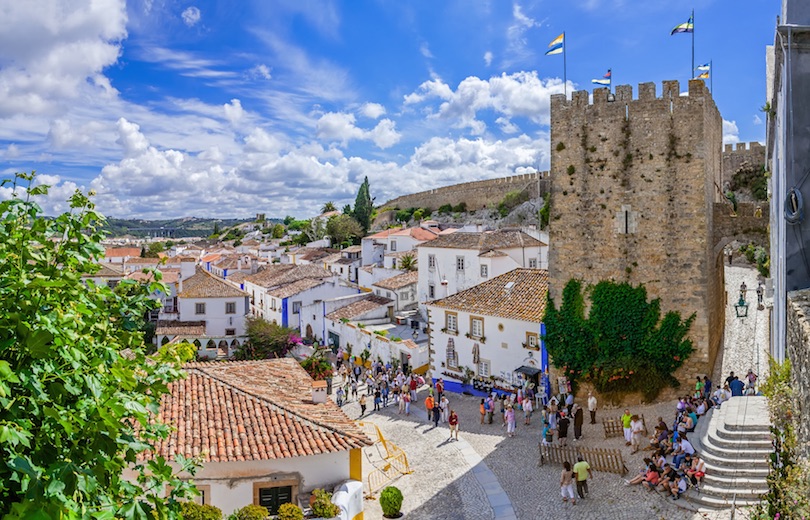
x,y
182,227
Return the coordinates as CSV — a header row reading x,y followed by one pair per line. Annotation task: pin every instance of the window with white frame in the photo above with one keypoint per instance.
x,y
451,322
476,327
199,308
230,307
403,295
484,271
393,245
532,263
484,368
296,307
531,340
459,263
431,291
431,261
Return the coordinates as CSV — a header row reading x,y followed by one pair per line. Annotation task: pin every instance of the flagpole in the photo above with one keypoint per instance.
x,y
565,72
693,40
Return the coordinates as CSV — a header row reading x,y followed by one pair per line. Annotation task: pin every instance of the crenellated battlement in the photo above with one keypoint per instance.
x,y
623,94
742,147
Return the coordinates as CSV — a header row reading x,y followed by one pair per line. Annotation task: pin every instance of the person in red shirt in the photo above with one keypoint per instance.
x,y
439,389
453,420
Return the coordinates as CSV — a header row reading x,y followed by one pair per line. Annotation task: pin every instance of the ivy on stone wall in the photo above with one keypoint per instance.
x,y
622,345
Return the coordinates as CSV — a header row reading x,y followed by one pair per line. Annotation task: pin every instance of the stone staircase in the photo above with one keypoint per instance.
x,y
736,446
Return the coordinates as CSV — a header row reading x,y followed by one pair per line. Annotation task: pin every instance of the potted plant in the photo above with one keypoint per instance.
x,y
290,512
391,502
322,506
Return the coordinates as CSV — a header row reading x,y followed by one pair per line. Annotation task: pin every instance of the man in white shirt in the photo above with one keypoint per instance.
x,y
592,407
686,449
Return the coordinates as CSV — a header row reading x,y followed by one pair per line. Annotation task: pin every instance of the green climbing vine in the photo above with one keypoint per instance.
x,y
623,345
788,495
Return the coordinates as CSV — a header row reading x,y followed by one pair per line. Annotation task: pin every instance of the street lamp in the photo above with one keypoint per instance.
x,y
741,308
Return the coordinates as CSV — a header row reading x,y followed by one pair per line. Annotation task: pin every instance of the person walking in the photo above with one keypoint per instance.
x,y
489,407
628,430
406,398
436,413
377,399
752,381
429,406
592,407
562,428
362,405
444,404
510,421
527,411
567,483
583,472
483,409
439,389
339,396
637,428
579,418
453,419
707,388
760,293
354,388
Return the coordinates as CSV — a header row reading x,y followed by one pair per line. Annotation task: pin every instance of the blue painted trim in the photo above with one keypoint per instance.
x,y
458,388
284,318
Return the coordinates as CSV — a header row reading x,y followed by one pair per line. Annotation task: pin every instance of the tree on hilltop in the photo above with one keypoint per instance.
x,y
343,228
364,206
329,206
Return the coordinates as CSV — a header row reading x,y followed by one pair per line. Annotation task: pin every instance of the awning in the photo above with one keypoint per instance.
x,y
529,371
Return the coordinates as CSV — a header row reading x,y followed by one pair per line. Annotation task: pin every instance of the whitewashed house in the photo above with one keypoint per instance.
x,y
400,288
278,292
267,435
368,275
211,315
458,261
393,240
492,329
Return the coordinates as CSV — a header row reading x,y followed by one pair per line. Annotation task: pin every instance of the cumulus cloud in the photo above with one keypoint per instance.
x,y
191,16
340,127
233,111
731,134
488,58
51,53
372,110
520,94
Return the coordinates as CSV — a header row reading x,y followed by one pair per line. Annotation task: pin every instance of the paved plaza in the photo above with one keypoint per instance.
x,y
488,476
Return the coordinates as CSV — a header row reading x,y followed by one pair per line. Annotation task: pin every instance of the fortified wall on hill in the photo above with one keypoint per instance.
x,y
477,194
753,153
634,183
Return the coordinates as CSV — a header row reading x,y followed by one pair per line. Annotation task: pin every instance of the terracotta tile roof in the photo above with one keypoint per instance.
x,y
417,233
169,276
399,281
359,307
180,328
485,241
143,261
185,259
238,276
400,254
525,300
118,252
347,261
291,289
107,271
232,262
331,259
210,257
204,285
252,410
492,254
352,249
277,275
311,255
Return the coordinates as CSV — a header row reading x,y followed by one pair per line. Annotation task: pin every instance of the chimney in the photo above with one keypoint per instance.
x,y
319,392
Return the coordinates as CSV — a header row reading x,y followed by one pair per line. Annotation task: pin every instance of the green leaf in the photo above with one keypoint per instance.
x,y
38,343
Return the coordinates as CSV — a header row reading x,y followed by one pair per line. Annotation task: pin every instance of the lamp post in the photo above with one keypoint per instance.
x,y
741,308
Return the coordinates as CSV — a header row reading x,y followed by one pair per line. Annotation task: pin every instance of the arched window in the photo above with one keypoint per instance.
x,y
164,340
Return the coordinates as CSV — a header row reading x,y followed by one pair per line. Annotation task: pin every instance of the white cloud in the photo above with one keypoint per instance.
x,y
488,58
186,63
130,138
424,49
520,94
260,71
731,134
757,120
507,126
518,48
233,111
12,151
372,110
52,53
340,126
191,16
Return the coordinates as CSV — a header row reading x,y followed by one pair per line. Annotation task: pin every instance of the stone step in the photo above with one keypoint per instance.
x,y
713,502
725,463
753,441
723,470
731,481
733,435
747,493
735,452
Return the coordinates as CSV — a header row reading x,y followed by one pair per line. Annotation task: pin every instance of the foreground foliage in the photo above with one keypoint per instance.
x,y
75,411
623,345
266,340
788,494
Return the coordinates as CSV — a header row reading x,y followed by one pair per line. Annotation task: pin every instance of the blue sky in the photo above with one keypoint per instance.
x,y
229,108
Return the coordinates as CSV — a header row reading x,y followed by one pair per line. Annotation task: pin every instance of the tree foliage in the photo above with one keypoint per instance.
x,y
317,365
623,345
329,206
363,206
266,340
278,231
343,228
75,409
407,262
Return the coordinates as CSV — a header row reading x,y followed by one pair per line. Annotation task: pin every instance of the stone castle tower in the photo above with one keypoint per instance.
x,y
633,187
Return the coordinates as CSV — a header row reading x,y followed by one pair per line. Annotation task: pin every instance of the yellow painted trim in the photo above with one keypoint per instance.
x,y
358,516
356,464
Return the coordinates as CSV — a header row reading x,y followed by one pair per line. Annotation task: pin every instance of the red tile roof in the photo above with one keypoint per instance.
x,y
204,285
252,410
359,307
399,281
118,252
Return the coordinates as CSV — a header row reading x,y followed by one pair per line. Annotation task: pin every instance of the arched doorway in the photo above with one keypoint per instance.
x,y
222,349
309,332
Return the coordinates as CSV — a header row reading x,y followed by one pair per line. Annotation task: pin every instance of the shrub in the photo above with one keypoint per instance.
x,y
419,214
446,208
323,506
460,208
391,501
512,200
192,511
251,512
290,512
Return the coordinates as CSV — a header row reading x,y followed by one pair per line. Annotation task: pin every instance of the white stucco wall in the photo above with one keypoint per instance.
x,y
216,321
383,348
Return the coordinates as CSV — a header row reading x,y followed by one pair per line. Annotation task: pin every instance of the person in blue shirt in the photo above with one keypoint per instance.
x,y
737,387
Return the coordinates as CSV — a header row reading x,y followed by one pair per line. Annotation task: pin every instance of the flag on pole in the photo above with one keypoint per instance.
x,y
704,67
557,45
605,80
687,27
703,75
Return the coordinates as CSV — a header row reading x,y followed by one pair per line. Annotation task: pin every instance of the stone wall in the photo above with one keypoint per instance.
x,y
749,224
798,351
752,153
477,194
633,187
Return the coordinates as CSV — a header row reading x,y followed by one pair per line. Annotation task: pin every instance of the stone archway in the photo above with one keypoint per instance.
x,y
222,349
